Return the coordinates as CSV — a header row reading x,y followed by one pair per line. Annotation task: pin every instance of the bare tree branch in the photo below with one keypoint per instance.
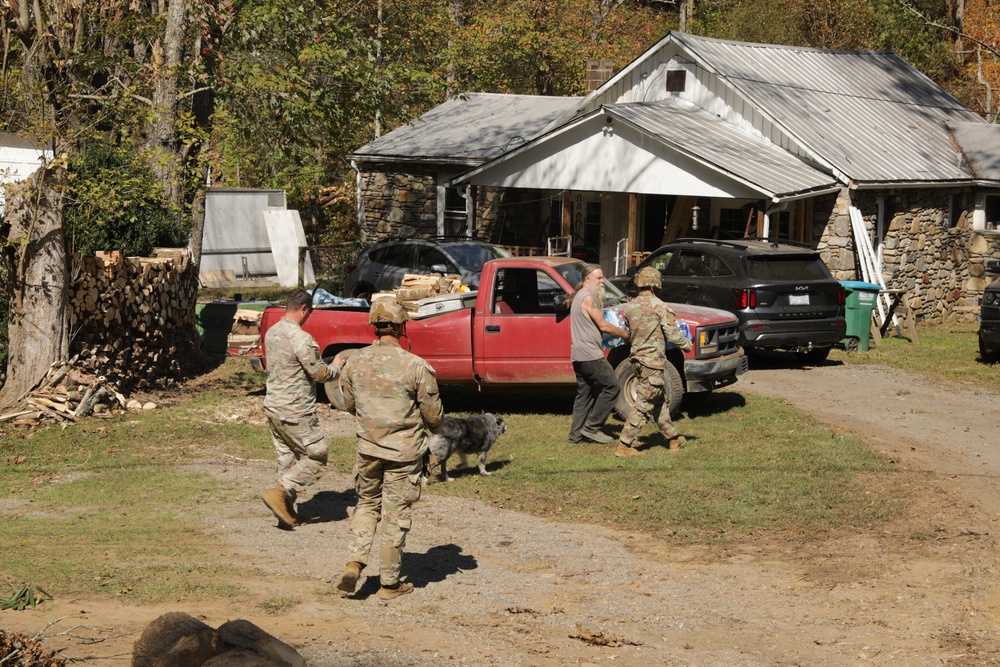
x,y
948,28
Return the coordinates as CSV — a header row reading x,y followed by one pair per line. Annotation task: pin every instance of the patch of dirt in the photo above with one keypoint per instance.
x,y
495,587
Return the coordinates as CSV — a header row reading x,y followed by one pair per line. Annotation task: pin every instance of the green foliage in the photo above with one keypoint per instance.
x,y
113,202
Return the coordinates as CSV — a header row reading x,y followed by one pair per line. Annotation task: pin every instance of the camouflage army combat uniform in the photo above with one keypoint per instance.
x,y
394,396
652,324
293,369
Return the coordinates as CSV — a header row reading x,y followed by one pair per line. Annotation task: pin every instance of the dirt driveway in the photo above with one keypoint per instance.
x,y
499,588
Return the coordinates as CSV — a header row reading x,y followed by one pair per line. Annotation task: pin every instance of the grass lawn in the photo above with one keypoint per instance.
x,y
106,507
946,353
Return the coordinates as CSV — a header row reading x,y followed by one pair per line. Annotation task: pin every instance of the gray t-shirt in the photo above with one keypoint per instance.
x,y
586,336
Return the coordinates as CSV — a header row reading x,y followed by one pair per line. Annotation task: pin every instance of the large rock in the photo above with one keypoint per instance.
x,y
243,634
175,639
242,658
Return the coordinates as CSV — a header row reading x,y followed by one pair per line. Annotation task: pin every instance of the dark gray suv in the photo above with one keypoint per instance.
x,y
782,293
383,265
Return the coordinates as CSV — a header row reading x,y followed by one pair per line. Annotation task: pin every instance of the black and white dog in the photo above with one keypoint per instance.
x,y
464,436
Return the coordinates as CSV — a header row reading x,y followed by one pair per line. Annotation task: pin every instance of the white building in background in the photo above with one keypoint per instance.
x,y
19,158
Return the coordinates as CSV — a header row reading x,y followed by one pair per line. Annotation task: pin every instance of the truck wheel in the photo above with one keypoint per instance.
x,y
363,291
332,387
673,389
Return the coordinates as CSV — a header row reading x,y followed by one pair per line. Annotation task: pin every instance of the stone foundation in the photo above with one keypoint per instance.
x,y
940,265
404,204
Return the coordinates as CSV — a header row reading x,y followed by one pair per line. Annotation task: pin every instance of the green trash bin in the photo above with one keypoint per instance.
x,y
862,299
214,322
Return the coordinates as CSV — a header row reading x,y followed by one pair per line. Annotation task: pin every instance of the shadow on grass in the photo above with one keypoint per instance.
x,y
328,506
456,469
707,404
469,399
437,564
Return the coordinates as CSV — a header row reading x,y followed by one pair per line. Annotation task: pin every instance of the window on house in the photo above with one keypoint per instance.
x,y
781,225
956,208
993,212
455,218
675,80
732,223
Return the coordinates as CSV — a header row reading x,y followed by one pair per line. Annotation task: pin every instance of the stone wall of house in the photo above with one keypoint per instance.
x,y
404,204
940,265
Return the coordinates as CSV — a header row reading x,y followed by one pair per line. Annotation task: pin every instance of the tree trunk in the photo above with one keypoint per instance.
x,y
39,278
165,157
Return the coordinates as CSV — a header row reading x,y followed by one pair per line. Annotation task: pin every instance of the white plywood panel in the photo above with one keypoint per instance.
x,y
235,234
284,229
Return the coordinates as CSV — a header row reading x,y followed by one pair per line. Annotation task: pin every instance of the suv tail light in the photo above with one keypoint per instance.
x,y
841,296
351,267
745,298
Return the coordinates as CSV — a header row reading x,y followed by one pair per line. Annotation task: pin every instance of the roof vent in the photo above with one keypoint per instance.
x,y
676,79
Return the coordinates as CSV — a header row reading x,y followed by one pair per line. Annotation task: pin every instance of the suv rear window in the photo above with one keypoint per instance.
x,y
787,268
473,255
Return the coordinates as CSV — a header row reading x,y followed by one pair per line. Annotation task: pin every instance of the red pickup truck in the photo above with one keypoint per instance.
x,y
514,331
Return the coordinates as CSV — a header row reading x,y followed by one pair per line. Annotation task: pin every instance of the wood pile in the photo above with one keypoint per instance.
x,y
132,318
66,393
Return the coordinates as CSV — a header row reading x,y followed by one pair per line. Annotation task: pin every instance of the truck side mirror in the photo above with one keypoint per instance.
x,y
439,268
630,271
992,265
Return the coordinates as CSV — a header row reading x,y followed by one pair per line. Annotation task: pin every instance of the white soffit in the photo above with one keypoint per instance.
x,y
586,157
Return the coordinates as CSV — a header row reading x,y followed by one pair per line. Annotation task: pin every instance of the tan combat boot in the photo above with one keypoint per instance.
x,y
349,579
676,442
299,517
393,592
276,500
625,451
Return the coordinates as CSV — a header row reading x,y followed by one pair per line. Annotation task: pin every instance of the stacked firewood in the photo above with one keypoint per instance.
x,y
132,318
416,286
66,394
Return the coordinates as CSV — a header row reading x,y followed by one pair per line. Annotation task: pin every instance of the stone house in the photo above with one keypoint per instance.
x,y
717,139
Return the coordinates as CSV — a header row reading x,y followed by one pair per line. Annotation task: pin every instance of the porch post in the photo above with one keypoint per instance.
x,y
633,222
567,219
470,211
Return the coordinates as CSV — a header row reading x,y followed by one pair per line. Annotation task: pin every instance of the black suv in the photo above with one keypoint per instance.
x,y
383,265
989,317
782,293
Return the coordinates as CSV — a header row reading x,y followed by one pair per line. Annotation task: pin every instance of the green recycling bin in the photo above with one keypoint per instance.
x,y
214,321
862,299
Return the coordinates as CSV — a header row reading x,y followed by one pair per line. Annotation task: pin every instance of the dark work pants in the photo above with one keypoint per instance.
x,y
596,392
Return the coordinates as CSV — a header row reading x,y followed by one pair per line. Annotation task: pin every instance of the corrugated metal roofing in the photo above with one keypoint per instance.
x,y
725,147
471,128
872,115
981,144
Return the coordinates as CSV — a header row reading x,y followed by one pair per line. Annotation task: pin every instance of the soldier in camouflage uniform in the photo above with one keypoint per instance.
x,y
394,396
294,367
652,324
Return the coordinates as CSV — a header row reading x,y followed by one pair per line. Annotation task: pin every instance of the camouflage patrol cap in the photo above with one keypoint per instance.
x,y
648,277
387,310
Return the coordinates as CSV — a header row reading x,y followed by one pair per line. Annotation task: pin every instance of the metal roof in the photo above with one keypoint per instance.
x,y
870,114
980,143
724,147
468,129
